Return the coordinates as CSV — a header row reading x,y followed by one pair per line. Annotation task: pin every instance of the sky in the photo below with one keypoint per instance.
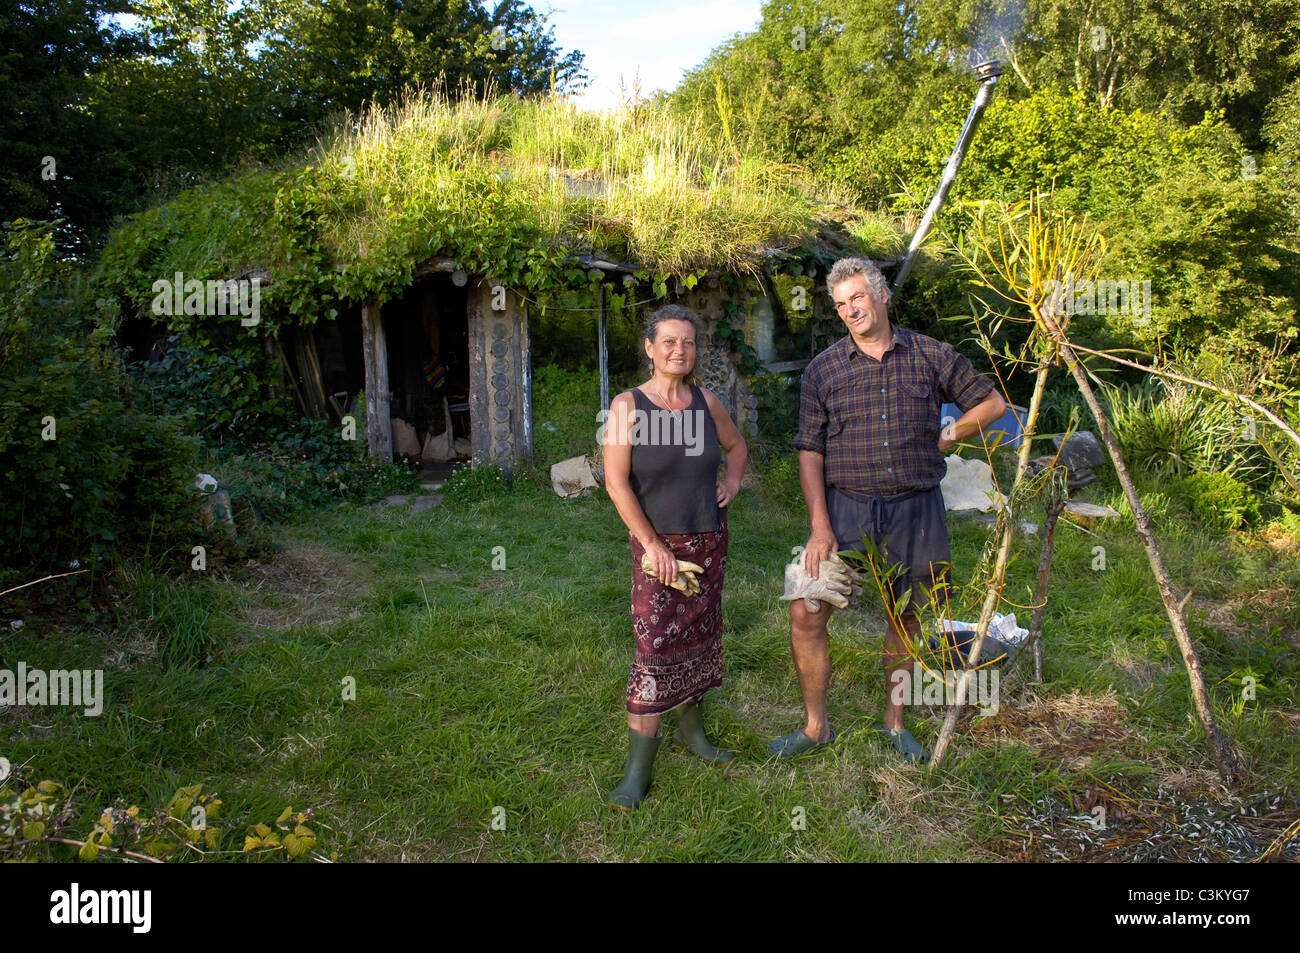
x,y
659,41
626,39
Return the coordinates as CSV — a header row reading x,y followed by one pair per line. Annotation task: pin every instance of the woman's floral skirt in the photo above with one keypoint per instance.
x,y
678,637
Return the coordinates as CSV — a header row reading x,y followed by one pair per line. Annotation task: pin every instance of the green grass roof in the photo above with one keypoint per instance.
x,y
508,187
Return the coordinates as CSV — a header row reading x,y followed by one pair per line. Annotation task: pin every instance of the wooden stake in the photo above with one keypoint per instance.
x,y
287,374
1053,504
1029,427
1223,756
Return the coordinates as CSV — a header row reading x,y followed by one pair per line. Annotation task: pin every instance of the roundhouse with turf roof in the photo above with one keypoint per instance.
x,y
397,263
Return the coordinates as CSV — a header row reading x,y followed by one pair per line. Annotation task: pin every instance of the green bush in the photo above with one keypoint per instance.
x,y
214,390
1218,249
1172,429
1218,499
304,463
88,471
782,478
1221,255
1097,158
1288,520
1163,504
260,448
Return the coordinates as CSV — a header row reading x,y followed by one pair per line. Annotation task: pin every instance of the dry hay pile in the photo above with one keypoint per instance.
x,y
1066,730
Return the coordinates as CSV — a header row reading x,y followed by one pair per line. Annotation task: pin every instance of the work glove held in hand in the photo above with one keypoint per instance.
x,y
836,583
685,583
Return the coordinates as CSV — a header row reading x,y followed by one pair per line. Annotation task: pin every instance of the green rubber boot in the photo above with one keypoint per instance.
x,y
690,735
636,771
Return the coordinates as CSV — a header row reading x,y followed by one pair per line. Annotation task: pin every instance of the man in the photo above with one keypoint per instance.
x,y
871,456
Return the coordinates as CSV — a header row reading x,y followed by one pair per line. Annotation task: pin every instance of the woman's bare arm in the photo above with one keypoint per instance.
x,y
733,445
618,468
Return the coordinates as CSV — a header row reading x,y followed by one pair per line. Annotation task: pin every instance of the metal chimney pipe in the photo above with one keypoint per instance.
x,y
988,73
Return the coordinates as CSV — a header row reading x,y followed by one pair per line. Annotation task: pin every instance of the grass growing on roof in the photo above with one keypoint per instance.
x,y
505,186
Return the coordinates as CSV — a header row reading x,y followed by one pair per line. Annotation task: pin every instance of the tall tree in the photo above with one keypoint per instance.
x,y
196,86
53,164
836,85
1282,129
1185,57
332,55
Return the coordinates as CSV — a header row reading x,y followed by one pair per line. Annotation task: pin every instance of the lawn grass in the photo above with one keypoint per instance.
x,y
487,693
480,689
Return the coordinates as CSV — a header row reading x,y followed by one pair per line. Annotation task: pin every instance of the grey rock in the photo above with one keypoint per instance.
x,y
991,519
1089,513
1080,478
1081,451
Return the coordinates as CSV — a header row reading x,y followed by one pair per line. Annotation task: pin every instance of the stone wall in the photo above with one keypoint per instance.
x,y
715,364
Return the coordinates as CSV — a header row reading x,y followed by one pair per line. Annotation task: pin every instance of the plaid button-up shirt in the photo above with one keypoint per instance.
x,y
877,422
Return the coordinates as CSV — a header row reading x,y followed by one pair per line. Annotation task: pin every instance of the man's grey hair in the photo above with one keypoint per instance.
x,y
846,268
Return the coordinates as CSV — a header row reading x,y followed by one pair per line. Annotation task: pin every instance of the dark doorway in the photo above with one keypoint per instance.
x,y
428,362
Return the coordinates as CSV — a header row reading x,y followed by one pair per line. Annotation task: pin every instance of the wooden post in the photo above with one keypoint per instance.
x,y
524,433
287,375
500,377
602,347
374,348
313,388
1007,521
1054,494
480,418
1175,608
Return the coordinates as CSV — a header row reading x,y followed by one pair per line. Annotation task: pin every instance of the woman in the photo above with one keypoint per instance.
x,y
661,445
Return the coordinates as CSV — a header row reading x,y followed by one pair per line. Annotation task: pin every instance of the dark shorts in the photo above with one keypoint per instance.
x,y
910,532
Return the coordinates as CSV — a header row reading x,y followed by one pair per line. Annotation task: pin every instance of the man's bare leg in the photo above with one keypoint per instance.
x,y
812,661
897,659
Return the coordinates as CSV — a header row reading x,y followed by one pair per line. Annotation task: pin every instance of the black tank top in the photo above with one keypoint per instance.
x,y
675,457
